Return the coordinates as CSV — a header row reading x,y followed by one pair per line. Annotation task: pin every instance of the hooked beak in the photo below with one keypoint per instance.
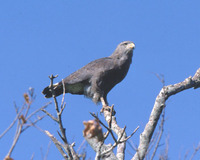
x,y
132,45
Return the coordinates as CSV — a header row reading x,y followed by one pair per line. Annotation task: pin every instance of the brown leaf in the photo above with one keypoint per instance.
x,y
92,129
8,158
26,97
23,119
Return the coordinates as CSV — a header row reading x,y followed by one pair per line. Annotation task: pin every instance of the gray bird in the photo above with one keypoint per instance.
x,y
98,77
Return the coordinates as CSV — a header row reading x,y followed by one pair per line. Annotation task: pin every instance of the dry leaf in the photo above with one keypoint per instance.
x,y
92,129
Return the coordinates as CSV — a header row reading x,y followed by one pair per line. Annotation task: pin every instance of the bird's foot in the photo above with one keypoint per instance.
x,y
108,108
105,108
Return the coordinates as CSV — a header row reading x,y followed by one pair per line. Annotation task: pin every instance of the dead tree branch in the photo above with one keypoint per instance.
x,y
164,155
24,119
103,151
196,149
165,93
100,147
57,144
119,132
160,134
11,125
71,154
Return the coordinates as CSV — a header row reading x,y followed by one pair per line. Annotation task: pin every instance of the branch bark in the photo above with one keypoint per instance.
x,y
119,132
105,152
71,154
99,148
165,93
24,120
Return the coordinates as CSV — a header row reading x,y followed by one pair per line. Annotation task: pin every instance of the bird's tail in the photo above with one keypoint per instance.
x,y
58,89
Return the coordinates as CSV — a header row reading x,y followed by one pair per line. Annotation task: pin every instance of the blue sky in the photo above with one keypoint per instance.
x,y
39,38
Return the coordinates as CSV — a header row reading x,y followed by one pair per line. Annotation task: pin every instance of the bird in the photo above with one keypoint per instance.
x,y
98,77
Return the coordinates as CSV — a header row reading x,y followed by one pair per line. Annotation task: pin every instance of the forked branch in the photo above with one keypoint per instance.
x,y
71,154
165,93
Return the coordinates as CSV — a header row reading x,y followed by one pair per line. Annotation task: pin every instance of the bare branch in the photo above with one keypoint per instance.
x,y
62,108
32,123
59,117
63,98
160,134
18,132
11,125
79,148
165,93
23,118
59,110
32,157
36,111
120,133
57,143
50,115
164,155
195,151
132,133
114,126
109,129
99,147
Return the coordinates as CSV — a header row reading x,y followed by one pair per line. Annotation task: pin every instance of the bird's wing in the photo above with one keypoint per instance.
x,y
85,73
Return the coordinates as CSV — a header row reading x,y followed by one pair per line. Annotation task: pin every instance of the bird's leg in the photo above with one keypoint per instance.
x,y
103,102
104,105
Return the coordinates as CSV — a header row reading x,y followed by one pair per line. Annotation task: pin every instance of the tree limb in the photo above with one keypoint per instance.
x,y
99,147
165,93
71,154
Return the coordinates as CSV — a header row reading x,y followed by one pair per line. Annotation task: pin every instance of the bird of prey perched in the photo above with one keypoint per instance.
x,y
98,77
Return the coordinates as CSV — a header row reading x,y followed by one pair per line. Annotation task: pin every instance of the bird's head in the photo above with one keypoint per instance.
x,y
124,49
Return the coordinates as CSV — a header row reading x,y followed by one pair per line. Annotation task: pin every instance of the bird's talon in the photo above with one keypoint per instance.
x,y
105,108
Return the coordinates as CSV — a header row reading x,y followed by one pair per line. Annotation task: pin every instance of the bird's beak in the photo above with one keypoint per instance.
x,y
132,45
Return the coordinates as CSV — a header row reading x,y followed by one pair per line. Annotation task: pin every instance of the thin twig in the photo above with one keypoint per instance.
x,y
130,142
11,125
132,133
160,134
152,142
57,143
36,111
48,148
27,110
79,148
119,141
110,122
165,93
195,151
22,125
62,129
32,156
15,140
109,129
62,108
50,115
63,98
32,123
